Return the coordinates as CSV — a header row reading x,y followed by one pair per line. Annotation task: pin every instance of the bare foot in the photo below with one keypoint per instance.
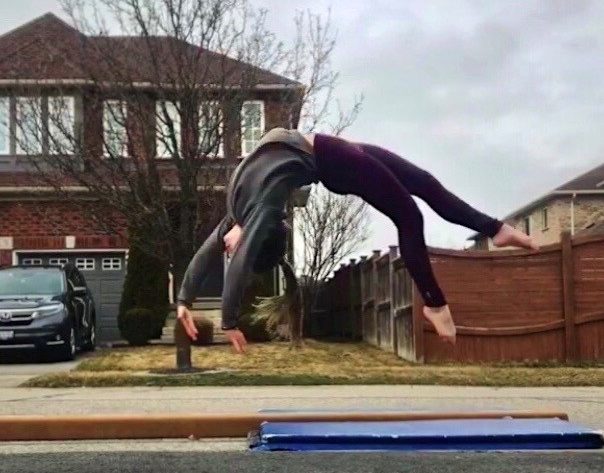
x,y
441,318
510,236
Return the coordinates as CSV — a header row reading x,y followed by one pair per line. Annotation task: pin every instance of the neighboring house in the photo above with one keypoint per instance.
x,y
35,227
577,206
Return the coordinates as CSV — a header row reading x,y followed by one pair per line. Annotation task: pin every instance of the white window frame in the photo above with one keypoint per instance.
x,y
244,149
5,126
31,261
107,114
108,264
82,264
66,141
58,261
218,105
172,110
37,148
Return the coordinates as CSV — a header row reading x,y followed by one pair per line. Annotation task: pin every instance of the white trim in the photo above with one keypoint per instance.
x,y
16,253
572,214
108,84
579,192
262,122
5,102
25,189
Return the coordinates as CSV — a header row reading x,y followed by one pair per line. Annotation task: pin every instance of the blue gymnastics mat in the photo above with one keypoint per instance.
x,y
458,435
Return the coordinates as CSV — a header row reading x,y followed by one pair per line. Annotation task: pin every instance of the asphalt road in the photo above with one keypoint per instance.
x,y
17,366
231,462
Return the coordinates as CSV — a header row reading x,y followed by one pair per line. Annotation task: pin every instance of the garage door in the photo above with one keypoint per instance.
x,y
104,274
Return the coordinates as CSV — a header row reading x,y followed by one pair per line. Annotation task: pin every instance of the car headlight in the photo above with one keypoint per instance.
x,y
48,310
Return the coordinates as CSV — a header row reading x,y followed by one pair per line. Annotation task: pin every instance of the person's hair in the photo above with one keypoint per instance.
x,y
273,248
272,253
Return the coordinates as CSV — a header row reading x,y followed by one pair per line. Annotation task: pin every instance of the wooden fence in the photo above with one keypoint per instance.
x,y
507,306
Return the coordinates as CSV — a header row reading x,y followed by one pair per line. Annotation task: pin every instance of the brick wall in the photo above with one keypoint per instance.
x,y
43,224
50,218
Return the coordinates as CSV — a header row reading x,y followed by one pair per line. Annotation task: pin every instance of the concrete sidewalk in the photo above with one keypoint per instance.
x,y
584,405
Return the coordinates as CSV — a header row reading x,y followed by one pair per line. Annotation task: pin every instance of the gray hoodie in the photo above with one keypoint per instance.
x,y
256,196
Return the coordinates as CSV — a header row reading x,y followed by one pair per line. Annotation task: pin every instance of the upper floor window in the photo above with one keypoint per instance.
x,y
544,219
526,224
4,125
252,125
115,135
61,139
211,129
28,121
168,129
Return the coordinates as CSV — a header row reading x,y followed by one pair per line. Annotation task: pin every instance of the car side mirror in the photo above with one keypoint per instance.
x,y
79,291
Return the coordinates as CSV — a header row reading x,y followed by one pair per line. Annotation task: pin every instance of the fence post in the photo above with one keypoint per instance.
x,y
568,294
363,283
374,293
391,281
351,305
418,325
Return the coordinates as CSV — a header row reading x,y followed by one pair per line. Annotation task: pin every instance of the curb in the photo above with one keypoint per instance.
x,y
229,425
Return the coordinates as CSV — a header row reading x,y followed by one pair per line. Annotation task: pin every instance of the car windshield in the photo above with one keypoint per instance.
x,y
30,281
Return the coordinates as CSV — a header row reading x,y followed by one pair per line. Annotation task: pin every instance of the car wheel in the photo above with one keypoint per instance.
x,y
67,351
90,343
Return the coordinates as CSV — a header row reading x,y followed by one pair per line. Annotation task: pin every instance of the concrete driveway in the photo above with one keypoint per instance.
x,y
17,366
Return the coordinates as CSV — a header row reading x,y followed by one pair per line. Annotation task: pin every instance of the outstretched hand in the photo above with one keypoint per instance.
x,y
237,339
186,319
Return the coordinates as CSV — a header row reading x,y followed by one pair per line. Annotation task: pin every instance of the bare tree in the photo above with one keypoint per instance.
x,y
171,86
331,227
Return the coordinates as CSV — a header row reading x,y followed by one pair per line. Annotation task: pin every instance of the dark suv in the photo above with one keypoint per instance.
x,y
49,308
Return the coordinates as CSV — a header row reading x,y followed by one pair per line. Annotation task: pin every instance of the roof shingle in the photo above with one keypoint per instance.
x,y
48,48
591,180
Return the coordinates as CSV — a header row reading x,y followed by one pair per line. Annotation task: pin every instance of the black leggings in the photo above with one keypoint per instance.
x,y
387,181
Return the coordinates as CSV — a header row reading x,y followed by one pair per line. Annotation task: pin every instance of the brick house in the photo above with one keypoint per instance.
x,y
576,206
38,228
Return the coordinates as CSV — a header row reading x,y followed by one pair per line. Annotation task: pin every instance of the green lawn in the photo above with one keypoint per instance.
x,y
317,363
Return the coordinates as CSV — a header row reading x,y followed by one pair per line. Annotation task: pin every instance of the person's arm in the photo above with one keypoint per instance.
x,y
255,231
206,257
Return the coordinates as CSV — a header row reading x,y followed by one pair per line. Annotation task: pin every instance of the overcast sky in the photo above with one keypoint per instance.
x,y
501,100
